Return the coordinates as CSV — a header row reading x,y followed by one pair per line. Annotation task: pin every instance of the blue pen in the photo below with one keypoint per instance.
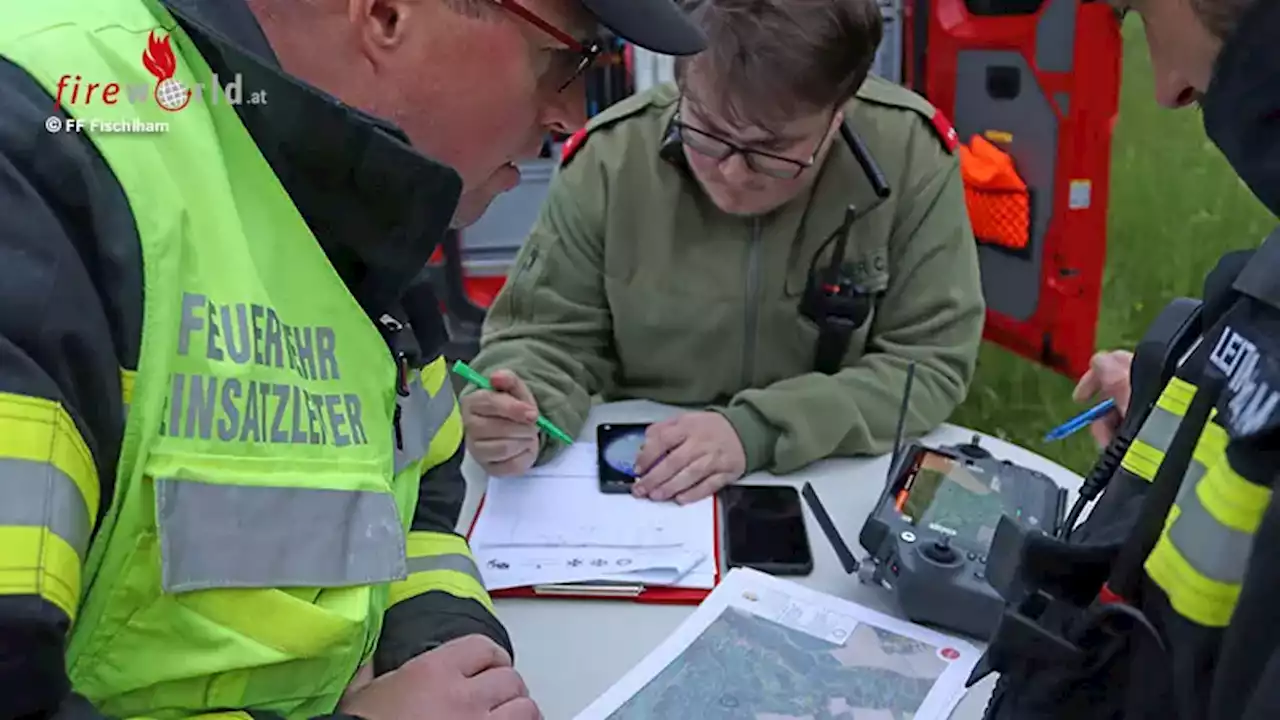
x,y
1080,421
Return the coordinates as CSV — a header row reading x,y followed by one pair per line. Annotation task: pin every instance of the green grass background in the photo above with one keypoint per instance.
x,y
1175,207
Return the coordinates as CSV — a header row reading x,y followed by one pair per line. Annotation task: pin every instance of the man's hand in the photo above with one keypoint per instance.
x,y
467,679
689,458
500,425
1108,377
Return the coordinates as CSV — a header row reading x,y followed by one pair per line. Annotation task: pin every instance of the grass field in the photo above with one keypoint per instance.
x,y
1175,207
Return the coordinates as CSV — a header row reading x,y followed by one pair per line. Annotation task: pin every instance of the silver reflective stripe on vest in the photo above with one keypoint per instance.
x,y
1190,480
37,494
452,561
1214,550
243,536
421,417
1158,429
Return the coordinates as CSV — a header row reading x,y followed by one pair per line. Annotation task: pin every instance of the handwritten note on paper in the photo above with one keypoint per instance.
x,y
509,567
559,509
571,511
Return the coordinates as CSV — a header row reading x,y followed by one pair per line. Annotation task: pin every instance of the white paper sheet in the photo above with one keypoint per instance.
x,y
509,567
578,460
768,647
559,506
570,511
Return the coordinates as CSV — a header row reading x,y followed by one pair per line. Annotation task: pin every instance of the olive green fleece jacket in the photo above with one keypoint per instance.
x,y
633,284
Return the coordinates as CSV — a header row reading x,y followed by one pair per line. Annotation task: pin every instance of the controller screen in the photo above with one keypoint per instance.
x,y
946,496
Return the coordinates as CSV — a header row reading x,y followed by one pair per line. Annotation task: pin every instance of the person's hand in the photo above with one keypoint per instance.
x,y
1107,378
470,678
688,458
500,425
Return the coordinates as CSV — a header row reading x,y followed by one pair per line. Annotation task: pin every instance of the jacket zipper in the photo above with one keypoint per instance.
x,y
753,302
402,390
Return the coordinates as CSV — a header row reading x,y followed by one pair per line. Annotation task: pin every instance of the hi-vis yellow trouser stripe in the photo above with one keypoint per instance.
x,y
48,501
1147,450
440,561
1203,552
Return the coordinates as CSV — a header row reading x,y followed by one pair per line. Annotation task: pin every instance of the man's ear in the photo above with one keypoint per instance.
x,y
380,23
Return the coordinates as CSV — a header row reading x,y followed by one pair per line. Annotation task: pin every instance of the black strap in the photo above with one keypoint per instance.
x,y
1260,278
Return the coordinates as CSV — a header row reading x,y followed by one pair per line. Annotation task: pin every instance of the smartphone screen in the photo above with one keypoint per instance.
x,y
764,529
617,446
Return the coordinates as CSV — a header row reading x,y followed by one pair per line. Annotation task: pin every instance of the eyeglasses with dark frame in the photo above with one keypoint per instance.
x,y
720,149
586,50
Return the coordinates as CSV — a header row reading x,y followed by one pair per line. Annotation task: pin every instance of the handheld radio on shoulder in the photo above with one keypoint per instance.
x,y
930,533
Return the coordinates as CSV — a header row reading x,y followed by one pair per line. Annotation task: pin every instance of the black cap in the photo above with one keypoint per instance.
x,y
656,25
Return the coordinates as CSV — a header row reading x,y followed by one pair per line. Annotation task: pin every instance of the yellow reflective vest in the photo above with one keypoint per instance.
x,y
262,517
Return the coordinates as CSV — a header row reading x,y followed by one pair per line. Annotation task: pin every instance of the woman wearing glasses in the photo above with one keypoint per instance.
x,y
698,247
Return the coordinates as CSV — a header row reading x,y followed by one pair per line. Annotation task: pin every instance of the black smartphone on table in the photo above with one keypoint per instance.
x,y
617,445
764,529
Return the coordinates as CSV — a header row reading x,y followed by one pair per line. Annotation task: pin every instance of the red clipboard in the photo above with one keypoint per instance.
x,y
643,594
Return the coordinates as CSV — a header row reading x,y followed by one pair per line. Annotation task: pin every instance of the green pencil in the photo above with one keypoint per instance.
x,y
466,372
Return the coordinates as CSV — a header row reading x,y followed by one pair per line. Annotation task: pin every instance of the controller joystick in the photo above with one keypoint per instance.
x,y
973,450
941,552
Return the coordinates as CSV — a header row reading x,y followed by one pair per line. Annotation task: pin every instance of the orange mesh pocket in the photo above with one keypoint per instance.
x,y
998,200
1000,217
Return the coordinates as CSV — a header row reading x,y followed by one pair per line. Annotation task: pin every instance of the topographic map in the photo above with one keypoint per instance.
x,y
744,667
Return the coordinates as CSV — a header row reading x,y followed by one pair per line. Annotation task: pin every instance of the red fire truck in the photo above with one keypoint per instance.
x,y
1038,78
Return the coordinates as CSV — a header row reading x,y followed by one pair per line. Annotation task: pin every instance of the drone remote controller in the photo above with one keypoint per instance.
x,y
932,527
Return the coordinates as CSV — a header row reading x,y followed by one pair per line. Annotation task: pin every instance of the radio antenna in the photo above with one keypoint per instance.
x,y
902,423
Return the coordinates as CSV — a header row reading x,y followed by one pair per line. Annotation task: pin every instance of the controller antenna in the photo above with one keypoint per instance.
x,y
902,423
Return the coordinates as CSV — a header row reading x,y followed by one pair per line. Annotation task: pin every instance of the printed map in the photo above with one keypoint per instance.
x,y
744,667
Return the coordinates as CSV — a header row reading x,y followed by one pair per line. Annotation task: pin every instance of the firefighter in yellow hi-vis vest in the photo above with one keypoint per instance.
x,y
229,449
1161,605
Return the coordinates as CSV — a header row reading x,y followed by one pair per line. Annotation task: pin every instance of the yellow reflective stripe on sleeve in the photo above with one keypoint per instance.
x,y
34,561
41,431
1142,460
1233,502
440,561
435,374
1177,396
1203,552
37,494
1147,450
429,411
435,378
447,440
